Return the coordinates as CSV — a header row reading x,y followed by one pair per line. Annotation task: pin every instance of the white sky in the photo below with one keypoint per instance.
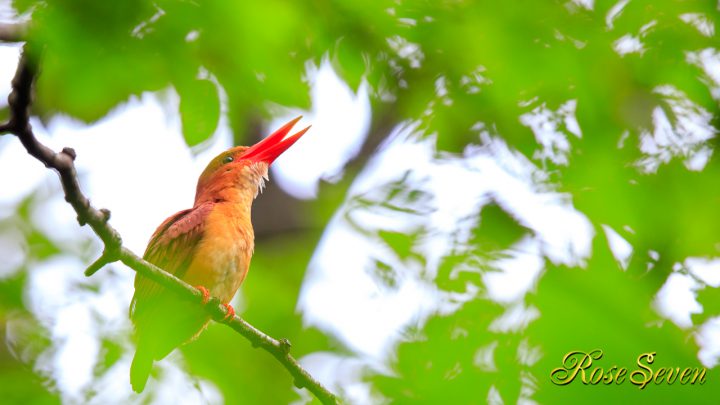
x,y
339,121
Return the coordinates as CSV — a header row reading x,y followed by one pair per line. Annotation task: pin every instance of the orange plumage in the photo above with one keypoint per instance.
x,y
209,245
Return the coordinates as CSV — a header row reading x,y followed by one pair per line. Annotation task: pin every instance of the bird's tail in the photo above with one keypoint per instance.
x,y
140,368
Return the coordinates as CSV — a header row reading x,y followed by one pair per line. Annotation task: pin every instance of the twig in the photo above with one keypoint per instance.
x,y
63,162
13,32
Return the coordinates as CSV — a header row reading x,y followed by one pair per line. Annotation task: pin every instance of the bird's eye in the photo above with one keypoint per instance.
x,y
227,159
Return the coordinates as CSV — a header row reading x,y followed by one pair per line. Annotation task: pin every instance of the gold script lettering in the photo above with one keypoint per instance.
x,y
579,363
621,376
573,363
639,377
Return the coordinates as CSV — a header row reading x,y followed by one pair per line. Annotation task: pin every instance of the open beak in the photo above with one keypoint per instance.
x,y
274,145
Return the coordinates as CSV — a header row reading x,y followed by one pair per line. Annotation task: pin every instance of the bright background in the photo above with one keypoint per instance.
x,y
485,188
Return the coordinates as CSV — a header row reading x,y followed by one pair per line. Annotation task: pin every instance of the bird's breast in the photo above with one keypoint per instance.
x,y
223,256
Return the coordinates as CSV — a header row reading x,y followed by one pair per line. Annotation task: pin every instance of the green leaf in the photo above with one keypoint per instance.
x,y
497,230
400,243
709,298
23,6
440,363
603,307
350,63
199,110
94,56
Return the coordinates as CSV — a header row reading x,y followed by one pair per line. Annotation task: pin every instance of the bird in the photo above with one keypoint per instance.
x,y
208,246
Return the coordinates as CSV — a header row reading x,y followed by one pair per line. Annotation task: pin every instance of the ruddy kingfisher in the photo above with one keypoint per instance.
x,y
208,246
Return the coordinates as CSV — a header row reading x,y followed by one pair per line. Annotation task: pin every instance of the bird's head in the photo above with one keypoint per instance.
x,y
240,172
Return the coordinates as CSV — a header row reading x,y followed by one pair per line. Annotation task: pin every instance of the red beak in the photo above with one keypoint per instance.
x,y
274,145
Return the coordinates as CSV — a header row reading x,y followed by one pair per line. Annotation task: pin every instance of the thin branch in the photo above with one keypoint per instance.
x,y
63,162
108,256
13,32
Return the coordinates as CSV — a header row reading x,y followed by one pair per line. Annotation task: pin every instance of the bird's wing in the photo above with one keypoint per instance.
x,y
172,248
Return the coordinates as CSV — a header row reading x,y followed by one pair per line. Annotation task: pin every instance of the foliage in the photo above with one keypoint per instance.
x,y
639,159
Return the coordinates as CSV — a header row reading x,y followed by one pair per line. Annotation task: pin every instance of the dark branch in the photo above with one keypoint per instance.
x,y
13,32
63,162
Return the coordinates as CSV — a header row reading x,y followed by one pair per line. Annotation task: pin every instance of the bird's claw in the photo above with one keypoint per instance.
x,y
230,312
206,298
205,293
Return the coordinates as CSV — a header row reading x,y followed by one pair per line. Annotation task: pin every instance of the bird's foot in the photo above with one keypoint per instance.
x,y
205,293
230,312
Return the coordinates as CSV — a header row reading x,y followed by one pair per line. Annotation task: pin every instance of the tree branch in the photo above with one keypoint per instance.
x,y
63,162
12,32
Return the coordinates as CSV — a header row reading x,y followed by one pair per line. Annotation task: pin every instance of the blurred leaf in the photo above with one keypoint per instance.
x,y
350,63
110,353
401,243
453,360
457,68
199,110
21,386
11,291
23,338
709,298
23,6
385,274
497,229
93,56
4,113
605,308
